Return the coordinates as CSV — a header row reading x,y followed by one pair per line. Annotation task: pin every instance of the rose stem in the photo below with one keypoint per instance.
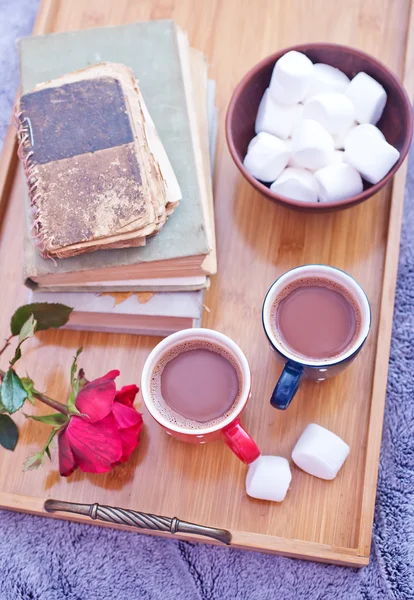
x,y
7,343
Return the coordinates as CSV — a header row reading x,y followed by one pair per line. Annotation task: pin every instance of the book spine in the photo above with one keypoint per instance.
x,y
25,154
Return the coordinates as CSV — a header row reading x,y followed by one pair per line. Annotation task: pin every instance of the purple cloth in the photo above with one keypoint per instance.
x,y
43,559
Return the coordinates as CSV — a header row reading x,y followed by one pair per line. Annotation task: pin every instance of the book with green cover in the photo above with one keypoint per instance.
x,y
151,49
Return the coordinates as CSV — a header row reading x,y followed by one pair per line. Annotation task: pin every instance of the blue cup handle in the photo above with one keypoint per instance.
x,y
287,386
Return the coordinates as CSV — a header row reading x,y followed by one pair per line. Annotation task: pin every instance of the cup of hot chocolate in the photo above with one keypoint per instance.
x,y
195,383
316,319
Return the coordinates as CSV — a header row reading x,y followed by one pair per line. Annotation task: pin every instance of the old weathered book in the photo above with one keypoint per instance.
x,y
97,173
152,50
140,313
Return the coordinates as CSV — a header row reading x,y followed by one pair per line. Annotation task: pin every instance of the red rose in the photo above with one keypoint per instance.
x,y
106,433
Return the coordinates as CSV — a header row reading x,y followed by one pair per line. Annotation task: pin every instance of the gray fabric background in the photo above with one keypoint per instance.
x,y
42,559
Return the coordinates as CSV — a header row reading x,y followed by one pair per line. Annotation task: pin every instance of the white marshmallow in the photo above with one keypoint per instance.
x,y
312,145
326,78
281,95
297,184
338,157
320,452
268,478
370,153
368,97
333,110
292,163
277,119
291,78
339,138
338,182
362,132
266,157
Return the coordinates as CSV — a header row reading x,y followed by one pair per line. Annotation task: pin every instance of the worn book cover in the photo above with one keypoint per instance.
x,y
92,170
140,313
151,49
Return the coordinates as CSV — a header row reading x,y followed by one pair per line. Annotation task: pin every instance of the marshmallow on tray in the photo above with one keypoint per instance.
x,y
277,119
268,478
297,184
312,145
320,452
333,110
338,182
291,78
368,97
266,157
327,79
367,151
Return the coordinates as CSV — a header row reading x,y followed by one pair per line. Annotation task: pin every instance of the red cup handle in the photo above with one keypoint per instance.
x,y
240,442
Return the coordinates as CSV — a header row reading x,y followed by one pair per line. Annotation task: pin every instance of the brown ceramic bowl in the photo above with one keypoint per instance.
x,y
396,122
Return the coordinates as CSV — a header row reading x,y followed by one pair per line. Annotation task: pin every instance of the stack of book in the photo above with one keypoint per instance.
x,y
120,215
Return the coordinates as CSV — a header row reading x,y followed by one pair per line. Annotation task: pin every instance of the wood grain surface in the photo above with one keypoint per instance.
x,y
257,241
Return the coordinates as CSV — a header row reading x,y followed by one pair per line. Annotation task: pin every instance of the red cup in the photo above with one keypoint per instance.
x,y
229,429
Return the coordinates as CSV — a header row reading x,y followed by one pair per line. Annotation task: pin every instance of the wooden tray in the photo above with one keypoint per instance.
x,y
257,241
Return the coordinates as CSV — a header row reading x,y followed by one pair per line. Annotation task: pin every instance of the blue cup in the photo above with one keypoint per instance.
x,y
298,367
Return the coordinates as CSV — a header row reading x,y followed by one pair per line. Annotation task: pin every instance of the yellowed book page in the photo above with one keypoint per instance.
x,y
185,54
199,80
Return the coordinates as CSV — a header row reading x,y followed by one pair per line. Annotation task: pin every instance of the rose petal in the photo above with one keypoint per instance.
x,y
111,375
96,398
67,462
126,395
130,440
95,446
125,416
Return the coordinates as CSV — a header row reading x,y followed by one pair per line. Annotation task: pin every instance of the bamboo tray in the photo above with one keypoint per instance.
x,y
257,241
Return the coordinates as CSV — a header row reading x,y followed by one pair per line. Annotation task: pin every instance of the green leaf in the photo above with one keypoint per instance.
x,y
74,381
56,419
28,329
38,459
47,316
28,385
13,393
82,379
35,461
17,356
50,439
74,366
8,432
51,443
